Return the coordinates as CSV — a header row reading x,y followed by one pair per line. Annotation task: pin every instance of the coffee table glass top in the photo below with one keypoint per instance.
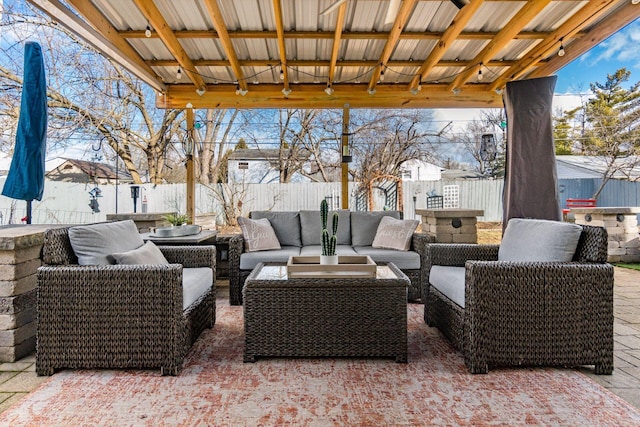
x,y
279,272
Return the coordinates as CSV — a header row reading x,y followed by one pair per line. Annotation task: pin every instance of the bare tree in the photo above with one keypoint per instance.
x,y
490,123
384,139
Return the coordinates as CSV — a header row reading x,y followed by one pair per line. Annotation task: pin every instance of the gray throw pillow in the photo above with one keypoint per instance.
x,y
258,234
285,224
364,226
395,233
145,254
539,240
94,244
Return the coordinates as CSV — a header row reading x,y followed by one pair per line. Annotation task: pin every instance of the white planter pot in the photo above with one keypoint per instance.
x,y
328,259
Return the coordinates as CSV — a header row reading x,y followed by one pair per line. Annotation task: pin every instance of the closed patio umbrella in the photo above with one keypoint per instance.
x,y
25,180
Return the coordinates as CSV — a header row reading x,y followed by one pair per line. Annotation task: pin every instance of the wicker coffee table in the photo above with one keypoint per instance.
x,y
335,317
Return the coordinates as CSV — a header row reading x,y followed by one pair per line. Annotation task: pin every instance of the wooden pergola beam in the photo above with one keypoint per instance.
x,y
335,48
394,35
225,40
101,35
313,96
328,35
320,63
614,22
579,20
154,16
448,37
282,49
525,15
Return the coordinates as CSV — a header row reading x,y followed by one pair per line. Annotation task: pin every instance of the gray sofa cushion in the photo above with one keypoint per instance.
x,y
248,260
285,224
195,283
539,240
315,250
93,244
404,260
449,281
364,226
312,228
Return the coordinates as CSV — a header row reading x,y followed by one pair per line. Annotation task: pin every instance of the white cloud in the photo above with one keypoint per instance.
x,y
621,47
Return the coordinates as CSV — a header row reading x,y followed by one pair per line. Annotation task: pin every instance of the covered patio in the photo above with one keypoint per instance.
x,y
341,54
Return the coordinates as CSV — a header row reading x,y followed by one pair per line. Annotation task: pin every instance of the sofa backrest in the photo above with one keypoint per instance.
x,y
593,245
364,226
286,225
312,228
57,247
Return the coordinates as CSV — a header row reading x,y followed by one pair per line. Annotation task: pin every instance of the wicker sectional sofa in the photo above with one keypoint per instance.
x,y
299,234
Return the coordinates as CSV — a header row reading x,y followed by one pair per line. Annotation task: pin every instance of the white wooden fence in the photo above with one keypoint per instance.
x,y
68,203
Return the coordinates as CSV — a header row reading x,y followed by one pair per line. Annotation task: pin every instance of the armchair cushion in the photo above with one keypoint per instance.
x,y
258,234
395,233
196,282
94,244
364,226
539,240
449,281
145,254
286,225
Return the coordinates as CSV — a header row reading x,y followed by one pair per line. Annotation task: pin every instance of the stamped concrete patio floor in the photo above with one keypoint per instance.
x,y
19,378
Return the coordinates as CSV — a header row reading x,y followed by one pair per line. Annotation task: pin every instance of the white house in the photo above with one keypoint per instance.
x,y
419,170
255,166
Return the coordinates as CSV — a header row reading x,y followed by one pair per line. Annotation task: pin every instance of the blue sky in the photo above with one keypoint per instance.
x,y
620,50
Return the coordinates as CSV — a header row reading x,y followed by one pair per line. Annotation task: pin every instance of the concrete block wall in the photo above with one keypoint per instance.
x,y
20,248
622,229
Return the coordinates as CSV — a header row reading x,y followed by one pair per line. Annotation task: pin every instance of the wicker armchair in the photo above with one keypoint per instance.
x,y
528,313
117,316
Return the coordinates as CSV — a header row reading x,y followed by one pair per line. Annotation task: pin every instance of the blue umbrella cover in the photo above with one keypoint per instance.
x,y
25,180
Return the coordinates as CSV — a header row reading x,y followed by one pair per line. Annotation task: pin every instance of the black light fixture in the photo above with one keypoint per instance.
x,y
460,3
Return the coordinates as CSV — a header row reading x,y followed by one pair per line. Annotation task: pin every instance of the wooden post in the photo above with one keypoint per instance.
x,y
345,152
191,178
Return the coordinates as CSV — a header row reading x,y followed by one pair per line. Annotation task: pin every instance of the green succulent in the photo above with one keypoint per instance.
x,y
176,219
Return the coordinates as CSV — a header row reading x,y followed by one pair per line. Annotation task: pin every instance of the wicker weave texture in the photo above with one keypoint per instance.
x,y
326,317
117,316
531,313
237,277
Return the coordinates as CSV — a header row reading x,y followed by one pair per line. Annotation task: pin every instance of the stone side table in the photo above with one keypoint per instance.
x,y
451,225
622,227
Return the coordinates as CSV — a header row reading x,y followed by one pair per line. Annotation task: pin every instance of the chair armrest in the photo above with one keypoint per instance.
x,y
236,247
190,256
420,242
131,291
493,286
458,254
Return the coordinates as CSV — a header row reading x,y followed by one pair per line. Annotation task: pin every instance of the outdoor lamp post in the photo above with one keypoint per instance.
x,y
135,193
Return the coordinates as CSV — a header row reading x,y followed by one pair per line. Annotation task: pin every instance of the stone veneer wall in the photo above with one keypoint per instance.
x,y
451,225
20,248
622,228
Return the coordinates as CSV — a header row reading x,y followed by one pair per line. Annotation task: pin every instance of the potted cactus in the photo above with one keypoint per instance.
x,y
328,255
